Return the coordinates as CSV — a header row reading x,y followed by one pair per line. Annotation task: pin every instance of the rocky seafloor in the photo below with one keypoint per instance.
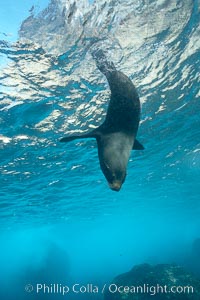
x,y
160,282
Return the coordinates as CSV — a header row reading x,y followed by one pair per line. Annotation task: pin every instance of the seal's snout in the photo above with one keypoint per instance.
x,y
115,186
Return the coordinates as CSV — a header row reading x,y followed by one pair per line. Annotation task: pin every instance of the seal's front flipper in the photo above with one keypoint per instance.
x,y
70,138
137,146
81,136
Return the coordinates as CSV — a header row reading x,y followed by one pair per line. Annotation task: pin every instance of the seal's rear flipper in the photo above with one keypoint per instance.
x,y
102,62
81,136
137,146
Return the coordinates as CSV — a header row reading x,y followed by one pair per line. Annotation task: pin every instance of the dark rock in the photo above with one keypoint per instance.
x,y
160,282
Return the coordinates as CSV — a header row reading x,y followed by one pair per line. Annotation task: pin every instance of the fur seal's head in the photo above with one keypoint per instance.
x,y
115,177
114,151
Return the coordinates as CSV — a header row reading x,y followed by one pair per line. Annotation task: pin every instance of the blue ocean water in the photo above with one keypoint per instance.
x,y
59,219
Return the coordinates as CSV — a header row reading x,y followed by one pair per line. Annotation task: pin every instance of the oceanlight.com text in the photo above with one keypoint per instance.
x,y
150,289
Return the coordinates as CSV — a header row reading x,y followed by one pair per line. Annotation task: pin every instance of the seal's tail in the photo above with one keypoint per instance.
x,y
105,66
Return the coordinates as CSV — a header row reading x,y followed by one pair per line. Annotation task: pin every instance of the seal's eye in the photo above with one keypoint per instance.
x,y
107,167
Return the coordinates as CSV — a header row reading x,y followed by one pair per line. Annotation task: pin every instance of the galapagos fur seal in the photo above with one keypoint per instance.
x,y
116,137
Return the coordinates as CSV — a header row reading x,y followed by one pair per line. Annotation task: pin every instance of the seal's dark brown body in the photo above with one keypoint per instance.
x,y
116,137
